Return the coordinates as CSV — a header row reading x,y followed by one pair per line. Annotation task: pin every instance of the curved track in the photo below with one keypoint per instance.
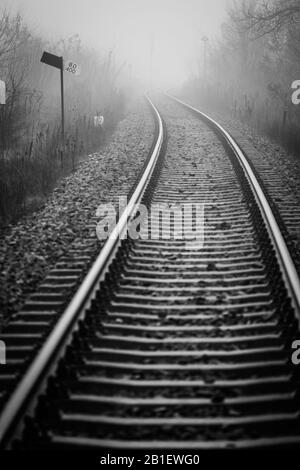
x,y
168,344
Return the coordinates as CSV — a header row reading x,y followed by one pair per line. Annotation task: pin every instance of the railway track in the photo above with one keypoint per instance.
x,y
169,346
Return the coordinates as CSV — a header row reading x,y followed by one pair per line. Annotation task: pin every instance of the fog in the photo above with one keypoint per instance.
x,y
245,69
158,39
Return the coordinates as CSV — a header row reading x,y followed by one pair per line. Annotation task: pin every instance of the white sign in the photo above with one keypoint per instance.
x,y
98,121
72,67
2,92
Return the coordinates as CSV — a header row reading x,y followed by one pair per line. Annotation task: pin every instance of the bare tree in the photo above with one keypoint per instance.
x,y
261,18
15,46
12,33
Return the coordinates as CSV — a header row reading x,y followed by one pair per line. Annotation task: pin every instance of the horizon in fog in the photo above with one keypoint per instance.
x,y
159,35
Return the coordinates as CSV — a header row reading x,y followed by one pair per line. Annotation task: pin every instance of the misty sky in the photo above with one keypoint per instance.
x,y
173,27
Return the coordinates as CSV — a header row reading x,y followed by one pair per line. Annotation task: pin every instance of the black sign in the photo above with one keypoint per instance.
x,y
53,60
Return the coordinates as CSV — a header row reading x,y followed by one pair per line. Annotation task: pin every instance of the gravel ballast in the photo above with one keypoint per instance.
x,y
278,172
30,248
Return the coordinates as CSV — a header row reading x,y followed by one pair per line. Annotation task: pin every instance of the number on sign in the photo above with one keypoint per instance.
x,y
72,67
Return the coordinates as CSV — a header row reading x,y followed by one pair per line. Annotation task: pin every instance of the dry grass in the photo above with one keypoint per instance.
x,y
29,172
267,117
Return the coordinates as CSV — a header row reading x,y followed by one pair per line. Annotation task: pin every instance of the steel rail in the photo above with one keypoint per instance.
x,y
286,262
38,370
